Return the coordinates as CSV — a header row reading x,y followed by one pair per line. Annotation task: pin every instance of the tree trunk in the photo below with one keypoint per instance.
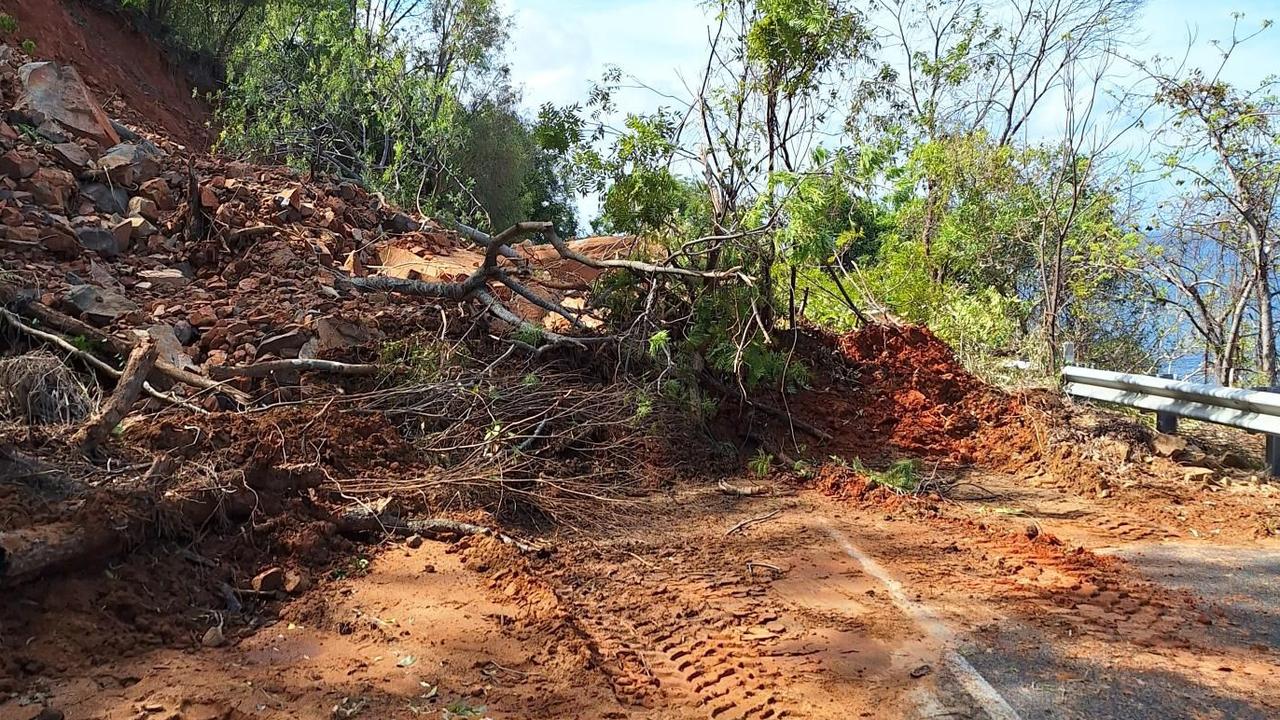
x,y
1262,288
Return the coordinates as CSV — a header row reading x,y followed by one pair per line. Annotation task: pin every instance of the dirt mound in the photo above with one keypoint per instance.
x,y
899,390
346,443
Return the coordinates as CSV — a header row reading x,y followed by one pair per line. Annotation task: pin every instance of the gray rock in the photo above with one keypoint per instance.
x,y
169,346
184,332
100,240
284,345
401,223
72,157
128,163
106,199
53,132
100,306
124,132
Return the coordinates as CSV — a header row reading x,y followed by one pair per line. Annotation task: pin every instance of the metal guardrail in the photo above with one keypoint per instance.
x,y
1255,410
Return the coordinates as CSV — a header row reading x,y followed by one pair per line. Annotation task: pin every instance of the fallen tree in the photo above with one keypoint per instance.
x,y
476,286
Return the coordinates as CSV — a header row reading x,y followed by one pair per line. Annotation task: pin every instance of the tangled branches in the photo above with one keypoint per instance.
x,y
477,286
547,447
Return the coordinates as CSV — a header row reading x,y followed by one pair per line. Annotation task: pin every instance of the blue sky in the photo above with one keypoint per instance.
x,y
560,45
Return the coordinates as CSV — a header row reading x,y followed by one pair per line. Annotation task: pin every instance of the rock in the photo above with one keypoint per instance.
x,y
401,223
289,199
168,278
333,334
48,713
1238,461
51,188
209,199
1168,445
144,208
128,164
202,317
269,580
157,191
296,582
72,157
134,228
18,164
99,305
213,637
8,136
51,131
184,332
100,240
107,199
56,92
1202,474
21,233
59,241
413,542
284,345
124,132
168,346
1112,450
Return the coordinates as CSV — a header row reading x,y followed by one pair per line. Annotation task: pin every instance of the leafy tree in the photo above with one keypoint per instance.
x,y
1223,143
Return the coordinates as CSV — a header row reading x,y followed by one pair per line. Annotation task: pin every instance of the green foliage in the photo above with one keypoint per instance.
x,y
529,335
761,464
722,332
658,343
8,25
903,476
416,359
796,41
29,46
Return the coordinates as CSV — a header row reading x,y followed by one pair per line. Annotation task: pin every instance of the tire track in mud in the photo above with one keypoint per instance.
x,y
689,656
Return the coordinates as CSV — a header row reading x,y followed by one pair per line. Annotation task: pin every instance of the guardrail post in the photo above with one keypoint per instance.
x,y
1167,422
1273,455
1272,452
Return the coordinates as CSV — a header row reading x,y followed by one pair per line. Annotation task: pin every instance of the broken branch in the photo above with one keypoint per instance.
x,y
751,521
363,521
91,360
102,423
263,369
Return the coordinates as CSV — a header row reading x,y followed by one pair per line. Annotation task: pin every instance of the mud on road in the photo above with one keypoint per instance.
x,y
673,616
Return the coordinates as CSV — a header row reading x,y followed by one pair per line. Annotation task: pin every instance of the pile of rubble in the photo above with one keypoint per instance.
x,y
222,263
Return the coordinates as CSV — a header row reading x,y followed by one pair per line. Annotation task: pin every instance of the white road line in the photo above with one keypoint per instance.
x,y
977,686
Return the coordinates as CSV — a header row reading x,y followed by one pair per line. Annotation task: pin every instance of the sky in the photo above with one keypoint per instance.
x,y
559,46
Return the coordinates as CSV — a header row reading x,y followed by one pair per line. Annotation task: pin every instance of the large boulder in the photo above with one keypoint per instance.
x,y
56,92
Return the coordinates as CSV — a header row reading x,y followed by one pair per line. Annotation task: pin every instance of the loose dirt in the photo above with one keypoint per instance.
x,y
668,617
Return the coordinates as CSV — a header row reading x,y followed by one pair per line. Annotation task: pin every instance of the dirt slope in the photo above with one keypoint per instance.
x,y
131,73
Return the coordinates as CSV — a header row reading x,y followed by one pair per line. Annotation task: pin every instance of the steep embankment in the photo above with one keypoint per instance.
x,y
128,71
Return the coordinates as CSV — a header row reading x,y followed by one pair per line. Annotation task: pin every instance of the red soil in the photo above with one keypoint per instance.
x,y
128,70
911,394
